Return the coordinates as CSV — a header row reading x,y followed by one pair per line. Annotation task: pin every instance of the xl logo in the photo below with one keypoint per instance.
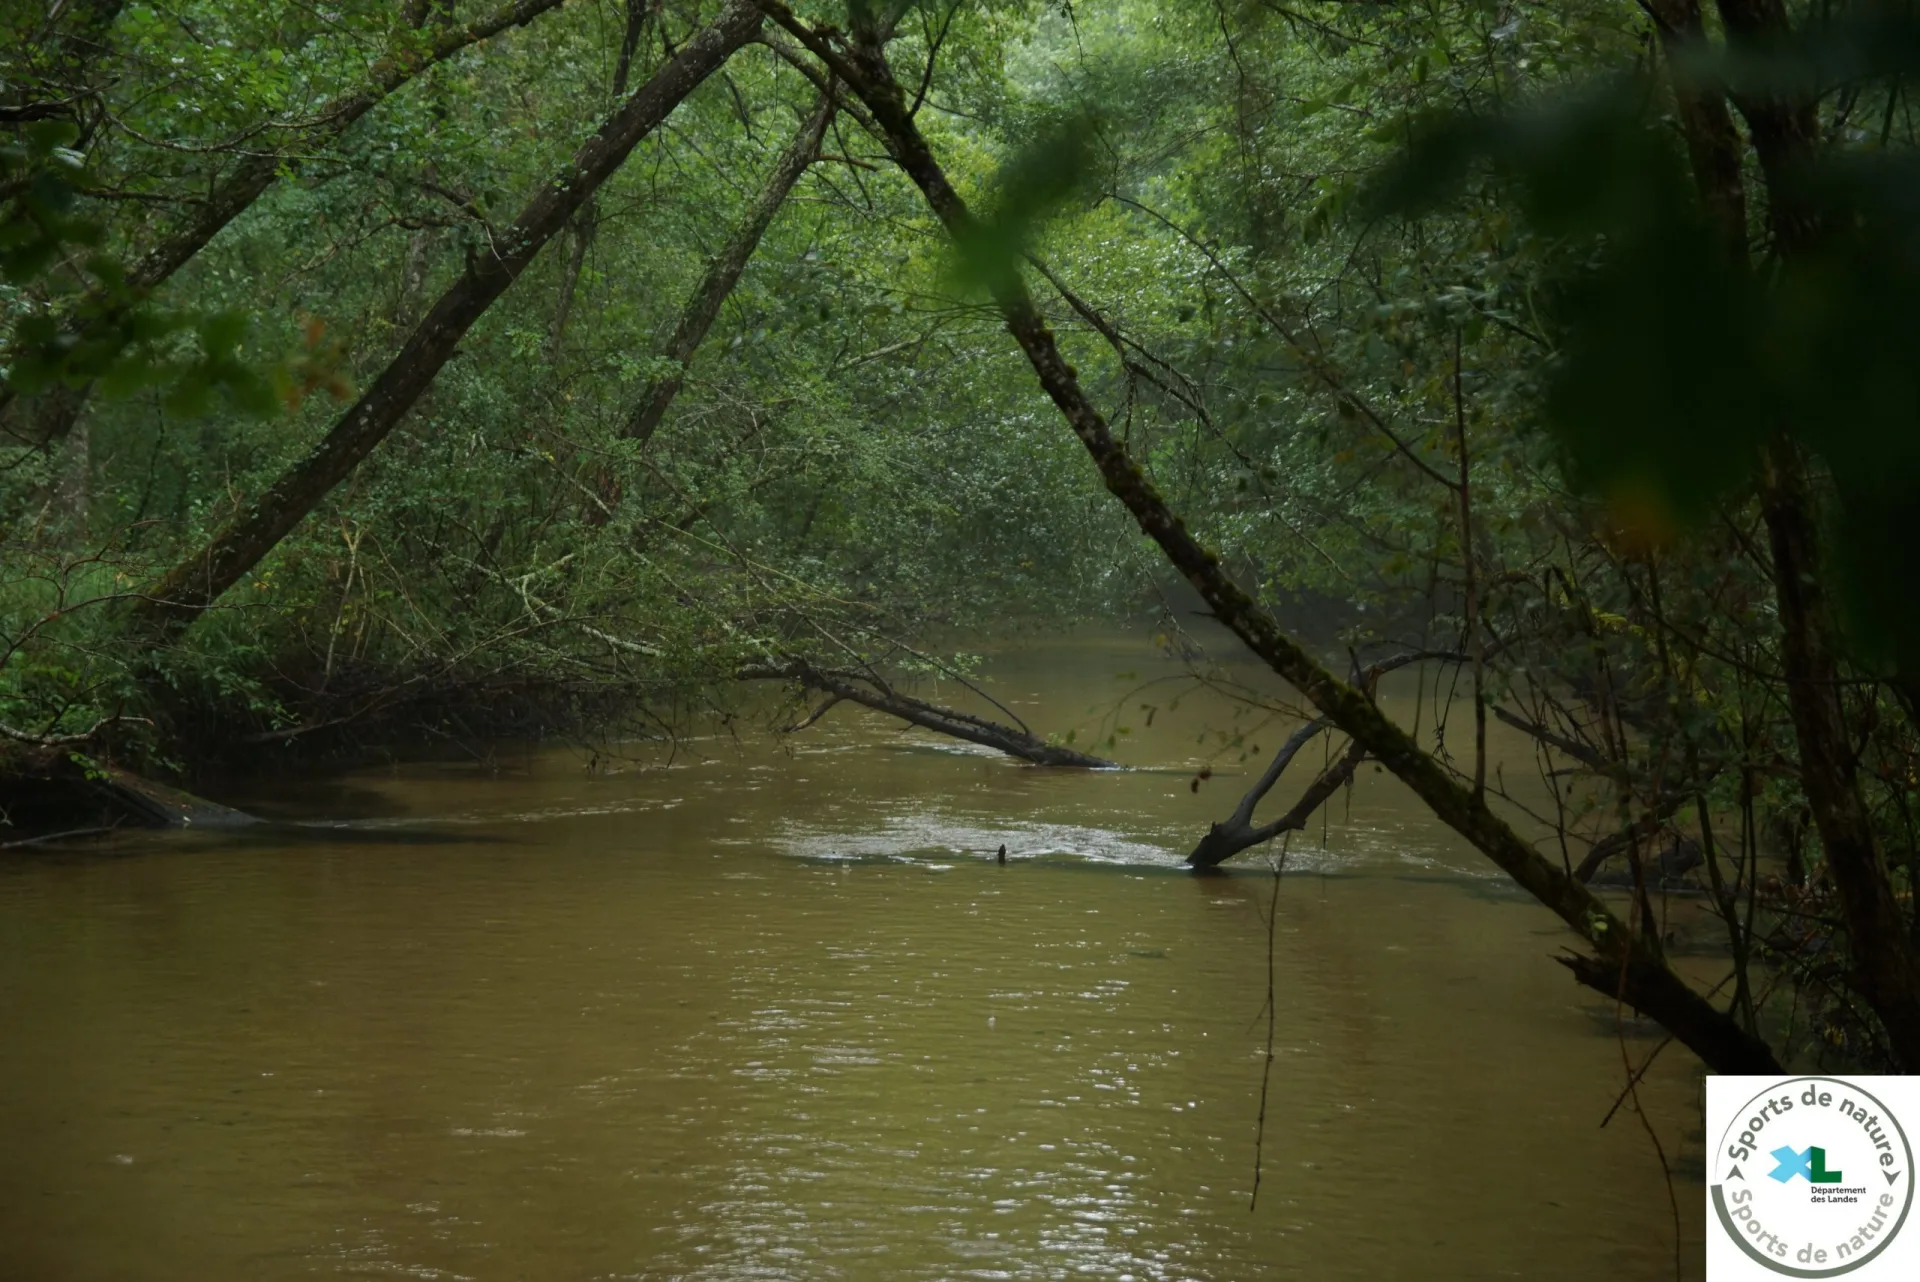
x,y
1796,1216
1810,1164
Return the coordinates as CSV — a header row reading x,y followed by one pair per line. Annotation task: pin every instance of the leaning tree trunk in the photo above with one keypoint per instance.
x,y
49,416
171,605
724,273
703,305
1629,967
587,221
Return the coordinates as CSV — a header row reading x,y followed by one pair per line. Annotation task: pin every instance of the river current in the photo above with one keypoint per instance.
x,y
769,1008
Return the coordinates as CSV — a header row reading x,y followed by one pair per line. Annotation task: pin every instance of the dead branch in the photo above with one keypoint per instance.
x,y
868,692
1225,840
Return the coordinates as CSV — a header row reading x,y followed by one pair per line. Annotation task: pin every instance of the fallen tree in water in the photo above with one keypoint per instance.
x,y
53,793
1238,832
871,691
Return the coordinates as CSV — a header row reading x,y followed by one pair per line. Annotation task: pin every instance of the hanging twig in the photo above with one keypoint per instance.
x,y
1266,1068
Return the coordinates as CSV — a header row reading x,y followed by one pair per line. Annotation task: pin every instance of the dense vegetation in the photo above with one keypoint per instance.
x,y
381,369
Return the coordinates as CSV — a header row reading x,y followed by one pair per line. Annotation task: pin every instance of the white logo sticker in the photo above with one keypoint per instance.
x,y
1810,1177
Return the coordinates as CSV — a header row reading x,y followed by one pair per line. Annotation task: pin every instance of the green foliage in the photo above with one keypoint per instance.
x,y
76,321
1679,366
1352,282
1050,169
1411,311
34,168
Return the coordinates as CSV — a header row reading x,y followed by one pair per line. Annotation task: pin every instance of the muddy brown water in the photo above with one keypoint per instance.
x,y
774,1011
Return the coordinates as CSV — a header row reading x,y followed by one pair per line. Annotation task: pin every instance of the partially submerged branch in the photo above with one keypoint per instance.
x,y
1580,752
870,692
1643,830
1225,840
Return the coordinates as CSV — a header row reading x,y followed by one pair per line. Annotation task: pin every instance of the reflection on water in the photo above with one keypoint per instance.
x,y
777,1013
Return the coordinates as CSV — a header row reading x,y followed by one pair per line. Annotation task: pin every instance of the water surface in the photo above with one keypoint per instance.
x,y
774,1011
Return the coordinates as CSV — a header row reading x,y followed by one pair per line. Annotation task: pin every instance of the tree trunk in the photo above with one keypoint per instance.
x,y
1713,144
587,221
49,417
171,605
703,305
724,273
1886,967
1884,963
1629,967
1783,122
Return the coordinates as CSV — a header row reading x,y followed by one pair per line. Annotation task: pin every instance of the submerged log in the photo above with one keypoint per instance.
x,y
46,795
164,806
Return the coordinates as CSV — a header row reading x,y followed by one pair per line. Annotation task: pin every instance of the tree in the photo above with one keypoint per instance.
x,y
190,587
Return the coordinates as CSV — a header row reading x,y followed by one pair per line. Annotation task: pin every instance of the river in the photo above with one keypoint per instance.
x,y
771,1009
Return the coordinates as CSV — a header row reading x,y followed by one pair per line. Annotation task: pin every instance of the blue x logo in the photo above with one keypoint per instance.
x,y
1792,1164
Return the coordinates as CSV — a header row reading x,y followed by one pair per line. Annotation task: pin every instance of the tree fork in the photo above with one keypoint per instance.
x,y
1225,840
1238,832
